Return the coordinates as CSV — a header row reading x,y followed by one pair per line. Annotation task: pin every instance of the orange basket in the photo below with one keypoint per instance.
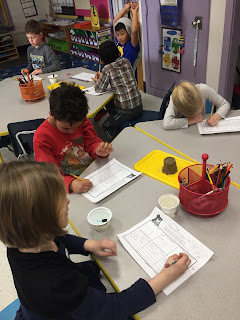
x,y
198,196
33,90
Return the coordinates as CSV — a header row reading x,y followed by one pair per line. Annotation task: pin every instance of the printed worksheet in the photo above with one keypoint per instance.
x,y
156,238
92,91
225,125
84,76
108,179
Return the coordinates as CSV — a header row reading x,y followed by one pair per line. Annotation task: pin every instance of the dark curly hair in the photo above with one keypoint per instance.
x,y
68,103
108,52
33,26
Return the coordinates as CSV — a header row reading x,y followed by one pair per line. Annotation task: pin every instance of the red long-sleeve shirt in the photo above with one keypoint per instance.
x,y
72,153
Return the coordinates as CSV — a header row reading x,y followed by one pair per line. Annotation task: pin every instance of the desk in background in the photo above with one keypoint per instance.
x,y
14,108
203,296
221,146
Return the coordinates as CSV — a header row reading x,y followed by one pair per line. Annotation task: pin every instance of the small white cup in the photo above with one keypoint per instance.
x,y
53,78
169,204
99,218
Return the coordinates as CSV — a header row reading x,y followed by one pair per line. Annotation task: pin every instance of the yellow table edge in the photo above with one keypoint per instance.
x,y
177,151
91,115
100,265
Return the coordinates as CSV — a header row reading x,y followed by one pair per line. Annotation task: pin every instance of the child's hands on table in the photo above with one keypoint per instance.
x,y
104,149
102,248
213,121
80,186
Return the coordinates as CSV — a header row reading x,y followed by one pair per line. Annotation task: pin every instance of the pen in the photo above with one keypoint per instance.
x,y
77,177
167,265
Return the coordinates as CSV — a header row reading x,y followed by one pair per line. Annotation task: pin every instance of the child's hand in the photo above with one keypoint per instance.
x,y
104,149
197,119
134,7
97,76
36,71
80,186
213,121
99,247
127,6
24,71
167,275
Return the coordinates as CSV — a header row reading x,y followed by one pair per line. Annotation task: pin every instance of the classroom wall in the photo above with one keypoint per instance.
x,y
215,42
19,19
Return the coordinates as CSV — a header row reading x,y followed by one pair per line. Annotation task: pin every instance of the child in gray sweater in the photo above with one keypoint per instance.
x,y
41,58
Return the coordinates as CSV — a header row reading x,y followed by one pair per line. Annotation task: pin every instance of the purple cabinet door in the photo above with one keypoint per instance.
x,y
159,80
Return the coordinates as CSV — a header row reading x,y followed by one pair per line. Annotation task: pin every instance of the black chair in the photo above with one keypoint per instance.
x,y
148,115
21,135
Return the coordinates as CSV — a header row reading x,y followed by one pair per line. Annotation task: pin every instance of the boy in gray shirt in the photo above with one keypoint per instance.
x,y
41,58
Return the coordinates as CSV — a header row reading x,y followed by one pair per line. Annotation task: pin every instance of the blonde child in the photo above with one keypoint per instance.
x,y
187,106
33,215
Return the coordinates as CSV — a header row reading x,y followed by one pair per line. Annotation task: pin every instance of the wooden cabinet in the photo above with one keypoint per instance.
x,y
8,50
84,42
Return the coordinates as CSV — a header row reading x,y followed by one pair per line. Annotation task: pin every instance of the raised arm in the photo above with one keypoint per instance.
x,y
122,12
135,24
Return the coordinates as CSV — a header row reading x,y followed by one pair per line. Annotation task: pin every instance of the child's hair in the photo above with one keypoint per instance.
x,y
32,199
68,103
33,26
187,99
119,26
108,52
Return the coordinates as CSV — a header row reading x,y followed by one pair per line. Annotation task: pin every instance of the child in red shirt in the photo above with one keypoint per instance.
x,y
67,138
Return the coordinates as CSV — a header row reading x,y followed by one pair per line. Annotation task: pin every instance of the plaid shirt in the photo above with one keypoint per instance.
x,y
119,74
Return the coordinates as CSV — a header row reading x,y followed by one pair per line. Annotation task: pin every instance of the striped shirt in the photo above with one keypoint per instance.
x,y
119,74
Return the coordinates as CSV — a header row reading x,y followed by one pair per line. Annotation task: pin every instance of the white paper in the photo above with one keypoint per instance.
x,y
225,125
84,76
92,91
36,78
108,179
156,238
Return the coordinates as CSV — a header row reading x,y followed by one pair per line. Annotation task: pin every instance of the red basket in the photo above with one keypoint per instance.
x,y
32,91
193,192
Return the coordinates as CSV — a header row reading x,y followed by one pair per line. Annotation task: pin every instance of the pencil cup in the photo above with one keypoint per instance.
x,y
52,78
169,204
99,218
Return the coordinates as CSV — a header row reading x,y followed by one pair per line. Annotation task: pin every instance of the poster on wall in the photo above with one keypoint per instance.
x,y
171,50
29,8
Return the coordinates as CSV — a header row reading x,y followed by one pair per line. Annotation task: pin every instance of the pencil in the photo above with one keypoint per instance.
x,y
212,109
77,177
210,180
99,68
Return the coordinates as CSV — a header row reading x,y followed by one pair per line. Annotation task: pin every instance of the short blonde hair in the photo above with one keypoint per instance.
x,y
187,99
32,200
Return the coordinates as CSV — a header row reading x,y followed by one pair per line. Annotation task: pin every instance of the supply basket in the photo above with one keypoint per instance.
x,y
33,90
199,196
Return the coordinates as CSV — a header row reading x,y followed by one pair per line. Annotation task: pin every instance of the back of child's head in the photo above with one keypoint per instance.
x,y
108,52
33,27
68,103
32,199
124,23
187,99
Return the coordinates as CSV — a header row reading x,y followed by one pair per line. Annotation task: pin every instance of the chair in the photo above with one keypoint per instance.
x,y
21,135
148,115
10,311
4,142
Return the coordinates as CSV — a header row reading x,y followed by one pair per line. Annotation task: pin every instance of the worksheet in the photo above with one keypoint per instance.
x,y
108,179
92,91
225,125
156,238
84,76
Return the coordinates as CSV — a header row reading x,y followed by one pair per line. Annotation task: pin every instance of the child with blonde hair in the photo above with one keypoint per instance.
x,y
187,106
33,215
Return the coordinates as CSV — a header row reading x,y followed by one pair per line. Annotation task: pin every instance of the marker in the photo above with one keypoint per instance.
x,y
167,265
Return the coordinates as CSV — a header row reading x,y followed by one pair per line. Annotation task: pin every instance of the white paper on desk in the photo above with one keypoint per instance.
x,y
84,76
108,179
36,78
231,124
156,238
92,91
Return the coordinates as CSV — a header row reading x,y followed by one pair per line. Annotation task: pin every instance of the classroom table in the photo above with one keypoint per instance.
x,y
14,108
212,292
221,146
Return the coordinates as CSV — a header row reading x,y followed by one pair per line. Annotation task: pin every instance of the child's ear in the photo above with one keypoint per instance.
x,y
41,35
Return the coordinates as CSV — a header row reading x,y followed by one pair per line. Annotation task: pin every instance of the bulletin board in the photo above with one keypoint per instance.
x,y
29,8
171,57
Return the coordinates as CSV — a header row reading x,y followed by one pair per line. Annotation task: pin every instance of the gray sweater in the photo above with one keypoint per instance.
x,y
42,57
173,119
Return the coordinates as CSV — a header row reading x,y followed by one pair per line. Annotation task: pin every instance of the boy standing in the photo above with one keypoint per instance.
x,y
41,58
126,32
67,138
119,74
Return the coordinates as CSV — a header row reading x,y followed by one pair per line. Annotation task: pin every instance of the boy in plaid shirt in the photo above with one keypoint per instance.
x,y
118,73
